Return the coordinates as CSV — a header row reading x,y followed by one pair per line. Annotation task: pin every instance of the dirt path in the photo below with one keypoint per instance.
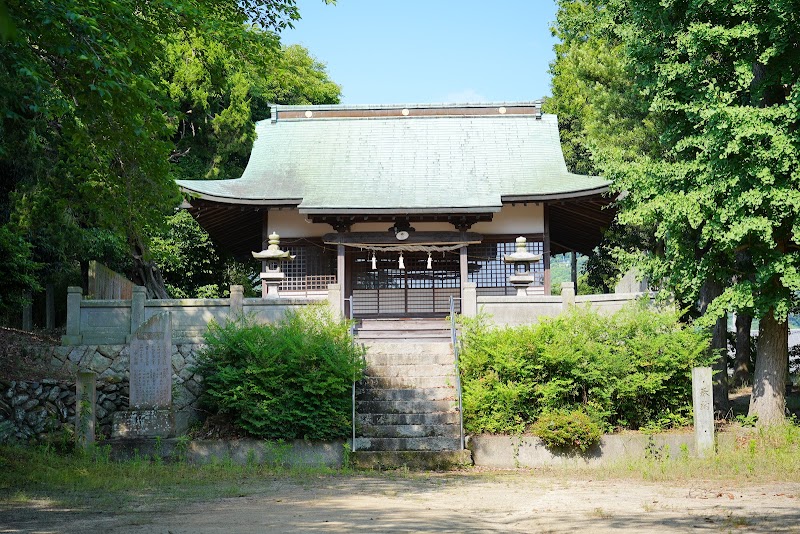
x,y
488,502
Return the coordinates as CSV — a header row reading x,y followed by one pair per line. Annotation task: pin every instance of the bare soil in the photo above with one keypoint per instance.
x,y
23,355
487,501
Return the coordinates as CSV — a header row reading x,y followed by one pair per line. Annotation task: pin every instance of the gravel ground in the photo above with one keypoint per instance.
x,y
462,502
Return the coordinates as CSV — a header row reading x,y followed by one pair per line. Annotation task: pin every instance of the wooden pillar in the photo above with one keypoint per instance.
x,y
546,249
50,307
27,312
463,265
340,277
574,269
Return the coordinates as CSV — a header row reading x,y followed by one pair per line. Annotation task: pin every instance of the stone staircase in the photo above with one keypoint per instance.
x,y
407,404
403,330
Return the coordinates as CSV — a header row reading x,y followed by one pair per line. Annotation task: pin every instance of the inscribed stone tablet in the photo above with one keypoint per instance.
x,y
703,404
151,364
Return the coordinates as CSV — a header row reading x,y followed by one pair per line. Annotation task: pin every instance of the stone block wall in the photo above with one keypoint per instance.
x,y
30,410
112,364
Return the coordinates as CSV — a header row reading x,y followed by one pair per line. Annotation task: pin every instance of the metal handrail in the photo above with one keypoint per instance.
x,y
454,337
353,388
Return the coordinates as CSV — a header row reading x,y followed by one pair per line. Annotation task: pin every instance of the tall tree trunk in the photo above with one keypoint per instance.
x,y
147,274
768,400
741,367
719,347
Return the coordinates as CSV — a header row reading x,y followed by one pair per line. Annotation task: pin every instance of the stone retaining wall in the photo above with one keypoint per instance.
x,y
112,364
33,409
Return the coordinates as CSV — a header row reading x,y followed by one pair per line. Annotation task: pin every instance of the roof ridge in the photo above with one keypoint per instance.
x,y
409,105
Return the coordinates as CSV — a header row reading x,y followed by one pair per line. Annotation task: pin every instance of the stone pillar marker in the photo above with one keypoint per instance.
x,y
150,400
85,407
703,404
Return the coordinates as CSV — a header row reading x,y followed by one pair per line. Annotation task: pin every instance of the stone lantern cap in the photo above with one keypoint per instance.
x,y
273,251
521,255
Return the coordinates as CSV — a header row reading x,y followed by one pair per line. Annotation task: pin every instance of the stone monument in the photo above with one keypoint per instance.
x,y
703,404
150,404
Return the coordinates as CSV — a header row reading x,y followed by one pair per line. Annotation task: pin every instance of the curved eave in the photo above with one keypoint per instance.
x,y
194,193
564,195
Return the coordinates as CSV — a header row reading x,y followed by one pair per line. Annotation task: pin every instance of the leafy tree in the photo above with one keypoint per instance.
x,y
17,272
88,123
600,115
724,194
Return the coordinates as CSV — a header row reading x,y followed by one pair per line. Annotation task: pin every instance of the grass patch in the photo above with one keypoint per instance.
x,y
761,456
93,482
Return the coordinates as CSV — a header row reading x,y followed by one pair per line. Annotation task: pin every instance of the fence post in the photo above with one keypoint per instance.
x,y
335,300
73,333
237,302
469,299
138,297
567,295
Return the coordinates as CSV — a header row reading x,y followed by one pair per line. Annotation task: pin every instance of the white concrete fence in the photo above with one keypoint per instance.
x,y
112,322
514,310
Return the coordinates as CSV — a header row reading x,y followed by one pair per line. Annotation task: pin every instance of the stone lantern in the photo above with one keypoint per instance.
x,y
521,259
272,276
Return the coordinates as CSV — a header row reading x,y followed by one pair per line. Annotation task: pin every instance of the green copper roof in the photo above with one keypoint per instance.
x,y
347,159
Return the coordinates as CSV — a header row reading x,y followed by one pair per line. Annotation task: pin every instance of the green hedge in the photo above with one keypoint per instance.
x,y
287,380
629,370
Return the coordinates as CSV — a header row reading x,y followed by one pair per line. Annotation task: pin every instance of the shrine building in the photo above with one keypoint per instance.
x,y
402,205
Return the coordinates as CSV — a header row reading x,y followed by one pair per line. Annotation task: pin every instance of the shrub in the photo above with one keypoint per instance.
x,y
628,370
567,429
286,380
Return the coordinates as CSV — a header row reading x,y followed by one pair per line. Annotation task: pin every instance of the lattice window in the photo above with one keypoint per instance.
x,y
490,273
313,268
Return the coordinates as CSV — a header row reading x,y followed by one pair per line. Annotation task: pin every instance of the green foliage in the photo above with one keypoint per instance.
x,y
567,429
102,103
627,370
285,380
17,271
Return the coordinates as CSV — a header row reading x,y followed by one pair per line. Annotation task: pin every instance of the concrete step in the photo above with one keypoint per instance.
x,y
409,371
407,444
380,419
417,406
425,394
403,382
404,336
404,324
394,348
443,358
410,431
423,460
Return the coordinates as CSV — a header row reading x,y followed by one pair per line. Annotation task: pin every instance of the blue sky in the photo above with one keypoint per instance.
x,y
417,51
